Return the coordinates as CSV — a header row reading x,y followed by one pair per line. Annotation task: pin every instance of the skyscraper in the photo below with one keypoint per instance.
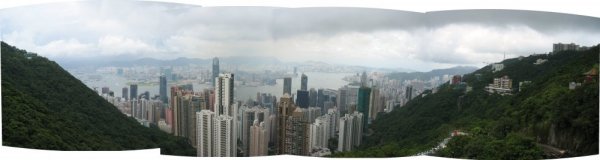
x,y
296,134
224,94
350,131
408,93
206,139
341,100
364,95
285,109
363,79
224,132
319,133
303,82
105,90
216,135
215,69
287,85
375,103
249,116
302,99
225,145
125,93
163,89
258,139
133,91
321,98
312,101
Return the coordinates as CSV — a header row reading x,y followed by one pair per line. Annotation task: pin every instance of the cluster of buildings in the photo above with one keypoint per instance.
x,y
558,47
305,123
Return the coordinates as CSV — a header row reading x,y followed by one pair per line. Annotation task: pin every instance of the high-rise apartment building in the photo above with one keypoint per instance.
x,y
249,115
224,94
350,131
206,139
259,140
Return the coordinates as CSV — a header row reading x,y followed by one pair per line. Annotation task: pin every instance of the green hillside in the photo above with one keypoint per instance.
x,y
546,117
44,107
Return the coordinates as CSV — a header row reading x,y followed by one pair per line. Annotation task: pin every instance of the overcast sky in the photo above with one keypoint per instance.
x,y
352,36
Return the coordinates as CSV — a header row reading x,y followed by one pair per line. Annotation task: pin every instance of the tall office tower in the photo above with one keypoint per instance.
x,y
364,95
163,89
105,90
303,82
225,136
341,100
319,133
350,131
408,93
295,70
326,106
302,99
285,109
206,138
287,85
375,104
215,69
249,115
312,101
125,93
259,140
363,79
133,91
320,98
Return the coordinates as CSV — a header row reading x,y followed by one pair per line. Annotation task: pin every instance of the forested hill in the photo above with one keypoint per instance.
x,y
44,107
545,119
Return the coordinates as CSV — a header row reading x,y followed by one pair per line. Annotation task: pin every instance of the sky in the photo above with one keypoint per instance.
x,y
350,36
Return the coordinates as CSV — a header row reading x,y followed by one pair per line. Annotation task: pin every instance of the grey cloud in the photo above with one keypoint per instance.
x,y
345,35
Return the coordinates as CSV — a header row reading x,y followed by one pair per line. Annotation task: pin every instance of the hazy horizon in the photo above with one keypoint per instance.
x,y
376,38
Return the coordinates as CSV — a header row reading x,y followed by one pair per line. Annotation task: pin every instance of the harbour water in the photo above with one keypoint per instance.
x,y
242,92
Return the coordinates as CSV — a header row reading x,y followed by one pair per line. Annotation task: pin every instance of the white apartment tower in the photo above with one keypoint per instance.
x,y
206,139
258,139
350,131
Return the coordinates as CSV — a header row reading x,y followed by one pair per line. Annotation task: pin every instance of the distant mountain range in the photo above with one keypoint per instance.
x,y
459,70
236,60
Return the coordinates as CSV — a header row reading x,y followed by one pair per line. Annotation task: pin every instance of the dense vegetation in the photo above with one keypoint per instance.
x,y
44,107
544,120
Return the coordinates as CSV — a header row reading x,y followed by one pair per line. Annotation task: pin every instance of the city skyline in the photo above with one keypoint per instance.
x,y
235,81
418,41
